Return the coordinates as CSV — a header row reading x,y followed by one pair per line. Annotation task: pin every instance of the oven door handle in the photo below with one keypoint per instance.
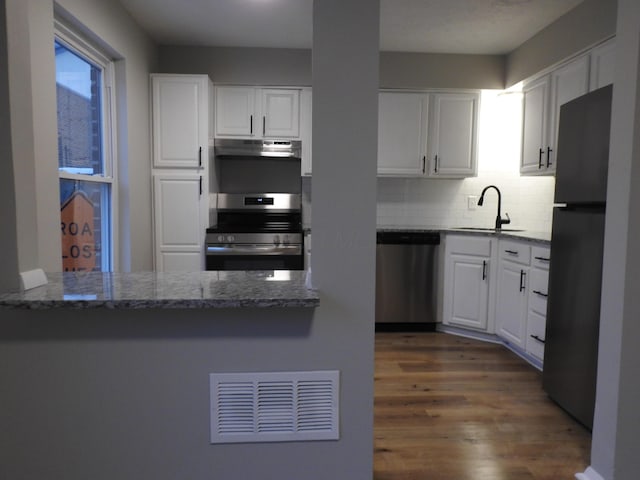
x,y
254,249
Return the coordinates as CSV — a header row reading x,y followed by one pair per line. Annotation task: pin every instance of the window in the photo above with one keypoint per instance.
x,y
85,146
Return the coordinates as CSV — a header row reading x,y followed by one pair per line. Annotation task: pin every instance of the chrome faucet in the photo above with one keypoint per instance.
x,y
499,220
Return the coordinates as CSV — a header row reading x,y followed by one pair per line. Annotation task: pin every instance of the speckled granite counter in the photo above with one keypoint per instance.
x,y
167,290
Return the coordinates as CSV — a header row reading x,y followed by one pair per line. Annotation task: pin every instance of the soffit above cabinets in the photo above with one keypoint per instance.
x,y
432,26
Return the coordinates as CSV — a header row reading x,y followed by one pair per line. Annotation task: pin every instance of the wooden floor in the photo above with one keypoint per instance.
x,y
451,408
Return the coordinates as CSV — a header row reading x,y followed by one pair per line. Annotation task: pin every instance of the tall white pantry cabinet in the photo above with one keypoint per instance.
x,y
180,132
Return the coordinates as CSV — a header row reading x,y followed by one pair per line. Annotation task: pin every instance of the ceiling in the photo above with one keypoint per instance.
x,y
434,26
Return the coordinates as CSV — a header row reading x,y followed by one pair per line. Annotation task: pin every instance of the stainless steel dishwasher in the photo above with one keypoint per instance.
x,y
406,278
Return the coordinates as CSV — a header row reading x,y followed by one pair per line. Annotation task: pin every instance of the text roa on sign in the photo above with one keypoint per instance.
x,y
78,241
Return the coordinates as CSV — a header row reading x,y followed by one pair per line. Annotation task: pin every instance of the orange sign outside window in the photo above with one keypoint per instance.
x,y
78,242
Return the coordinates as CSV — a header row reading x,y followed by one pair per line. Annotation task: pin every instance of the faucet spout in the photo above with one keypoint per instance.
x,y
499,220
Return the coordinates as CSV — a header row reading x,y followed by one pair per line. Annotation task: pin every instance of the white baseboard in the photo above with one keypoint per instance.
x,y
589,474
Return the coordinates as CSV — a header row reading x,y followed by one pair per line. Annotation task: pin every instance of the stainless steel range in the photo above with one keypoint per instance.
x,y
256,231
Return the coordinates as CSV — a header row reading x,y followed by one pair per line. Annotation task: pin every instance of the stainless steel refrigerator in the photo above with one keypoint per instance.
x,y
577,241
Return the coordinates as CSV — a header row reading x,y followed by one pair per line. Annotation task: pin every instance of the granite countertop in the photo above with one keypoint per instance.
x,y
141,290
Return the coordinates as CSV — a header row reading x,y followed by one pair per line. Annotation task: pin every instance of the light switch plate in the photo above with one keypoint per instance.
x,y
472,202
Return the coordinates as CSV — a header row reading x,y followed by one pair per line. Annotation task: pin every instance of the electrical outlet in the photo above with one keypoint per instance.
x,y
472,202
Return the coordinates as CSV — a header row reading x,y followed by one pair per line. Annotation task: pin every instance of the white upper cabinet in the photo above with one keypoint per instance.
x,y
252,112
543,98
534,125
402,133
180,105
280,113
235,111
427,134
452,142
602,65
567,83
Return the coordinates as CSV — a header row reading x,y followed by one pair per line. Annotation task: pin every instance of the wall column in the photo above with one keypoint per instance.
x,y
9,278
345,66
617,417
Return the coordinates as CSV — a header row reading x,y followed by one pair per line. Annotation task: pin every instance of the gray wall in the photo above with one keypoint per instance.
x,y
614,452
430,70
345,139
9,239
589,23
33,134
269,66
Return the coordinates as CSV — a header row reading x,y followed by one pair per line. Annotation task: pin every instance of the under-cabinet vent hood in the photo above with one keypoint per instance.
x,y
258,148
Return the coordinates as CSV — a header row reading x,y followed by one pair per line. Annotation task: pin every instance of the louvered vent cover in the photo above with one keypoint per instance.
x,y
274,406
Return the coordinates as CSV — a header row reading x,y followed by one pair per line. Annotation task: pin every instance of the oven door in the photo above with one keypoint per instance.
x,y
254,257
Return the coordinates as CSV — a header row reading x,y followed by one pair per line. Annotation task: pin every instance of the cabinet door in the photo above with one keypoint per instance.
x,y
602,65
511,304
534,126
235,111
452,142
569,82
178,221
402,133
280,113
467,300
180,120
535,334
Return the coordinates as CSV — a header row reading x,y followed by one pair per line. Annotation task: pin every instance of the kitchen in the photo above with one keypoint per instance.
x,y
137,248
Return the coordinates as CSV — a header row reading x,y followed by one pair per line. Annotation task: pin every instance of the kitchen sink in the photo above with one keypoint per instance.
x,y
485,229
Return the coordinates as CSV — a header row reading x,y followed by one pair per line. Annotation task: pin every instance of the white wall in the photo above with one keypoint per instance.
x,y
444,202
33,115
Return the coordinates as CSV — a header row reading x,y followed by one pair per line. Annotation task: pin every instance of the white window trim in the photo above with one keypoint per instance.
x,y
67,35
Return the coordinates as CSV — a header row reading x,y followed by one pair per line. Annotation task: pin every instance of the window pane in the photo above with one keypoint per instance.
x,y
78,86
84,221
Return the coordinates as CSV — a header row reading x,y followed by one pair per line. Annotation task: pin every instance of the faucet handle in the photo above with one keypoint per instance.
x,y
507,221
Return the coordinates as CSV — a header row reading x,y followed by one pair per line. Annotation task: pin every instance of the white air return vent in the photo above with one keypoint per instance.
x,y
274,406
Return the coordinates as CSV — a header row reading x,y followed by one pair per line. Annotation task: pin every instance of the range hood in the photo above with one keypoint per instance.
x,y
225,147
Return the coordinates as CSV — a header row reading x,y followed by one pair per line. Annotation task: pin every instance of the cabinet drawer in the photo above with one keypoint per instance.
x,y
536,325
469,245
515,252
538,290
541,256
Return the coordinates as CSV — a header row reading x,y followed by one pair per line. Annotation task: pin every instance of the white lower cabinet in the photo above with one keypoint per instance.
x,y
469,269
537,304
511,303
179,209
497,286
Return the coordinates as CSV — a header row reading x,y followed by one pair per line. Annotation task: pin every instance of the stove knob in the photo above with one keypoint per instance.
x,y
220,238
285,240
276,239
230,238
